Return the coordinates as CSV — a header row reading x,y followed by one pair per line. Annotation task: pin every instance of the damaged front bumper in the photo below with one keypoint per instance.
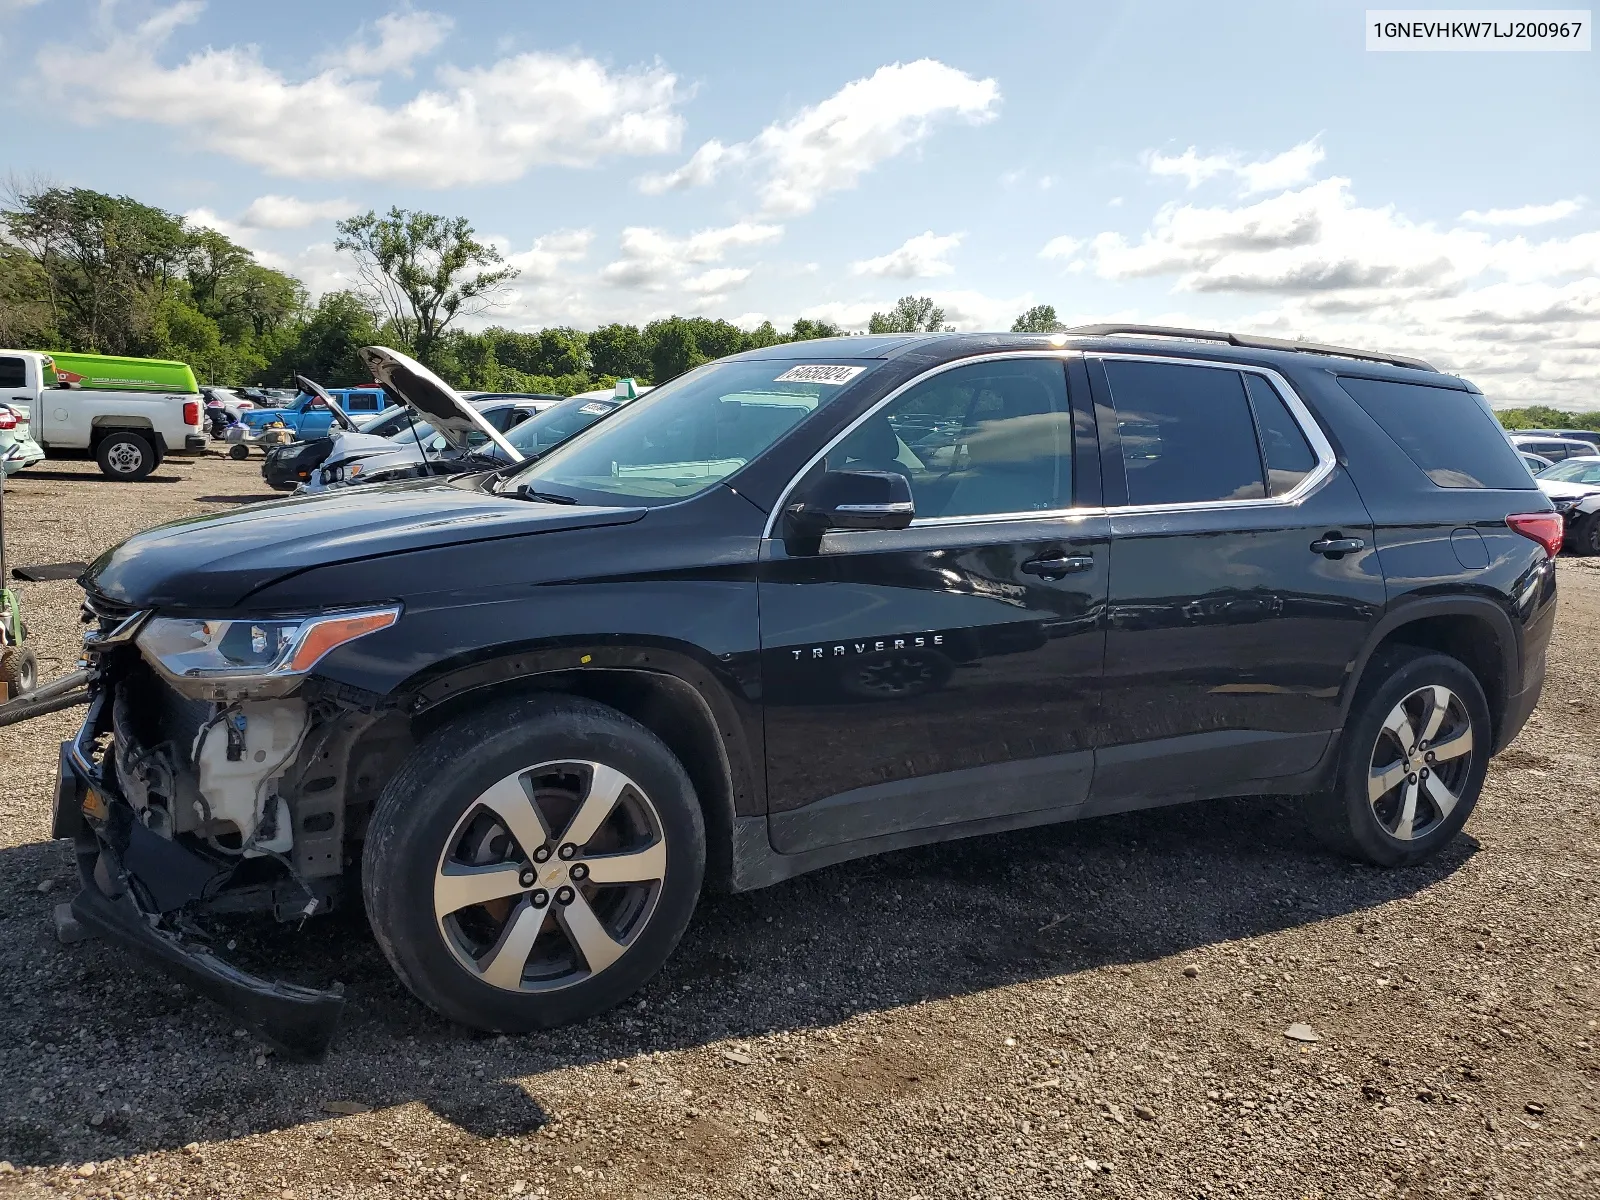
x,y
133,880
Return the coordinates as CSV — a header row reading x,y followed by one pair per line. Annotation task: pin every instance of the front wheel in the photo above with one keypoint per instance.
x,y
1415,752
125,456
238,452
1583,536
533,863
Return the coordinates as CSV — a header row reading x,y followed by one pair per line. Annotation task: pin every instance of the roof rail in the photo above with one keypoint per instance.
x,y
1252,343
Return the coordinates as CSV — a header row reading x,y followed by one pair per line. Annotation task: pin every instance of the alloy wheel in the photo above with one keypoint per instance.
x,y
550,875
1422,758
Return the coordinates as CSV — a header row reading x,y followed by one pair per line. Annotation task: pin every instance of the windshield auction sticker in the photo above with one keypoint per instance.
x,y
819,374
1478,29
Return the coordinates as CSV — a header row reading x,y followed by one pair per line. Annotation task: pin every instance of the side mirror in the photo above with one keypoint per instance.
x,y
853,500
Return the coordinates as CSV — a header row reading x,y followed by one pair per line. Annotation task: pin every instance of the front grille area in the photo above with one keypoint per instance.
x,y
104,613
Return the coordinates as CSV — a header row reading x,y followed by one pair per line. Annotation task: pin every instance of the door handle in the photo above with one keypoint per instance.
x,y
1332,545
1059,567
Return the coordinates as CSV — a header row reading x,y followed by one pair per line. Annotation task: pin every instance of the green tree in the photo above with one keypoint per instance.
x,y
424,271
1041,318
619,350
910,314
325,344
672,347
805,330
1542,416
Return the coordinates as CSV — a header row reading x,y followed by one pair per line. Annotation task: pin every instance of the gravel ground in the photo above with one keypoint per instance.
x,y
1098,1009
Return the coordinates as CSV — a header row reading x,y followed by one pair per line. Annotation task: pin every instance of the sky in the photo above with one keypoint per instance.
x,y
1244,166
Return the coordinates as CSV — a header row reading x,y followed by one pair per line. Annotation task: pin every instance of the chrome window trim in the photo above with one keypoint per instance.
x,y
1320,446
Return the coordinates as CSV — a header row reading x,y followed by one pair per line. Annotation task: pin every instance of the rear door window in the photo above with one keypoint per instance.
x,y
1288,455
1451,435
13,373
1187,433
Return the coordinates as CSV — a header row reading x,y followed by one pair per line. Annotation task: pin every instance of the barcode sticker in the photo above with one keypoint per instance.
x,y
594,406
819,374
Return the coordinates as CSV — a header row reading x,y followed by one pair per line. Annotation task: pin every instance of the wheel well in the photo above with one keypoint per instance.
x,y
666,706
1472,640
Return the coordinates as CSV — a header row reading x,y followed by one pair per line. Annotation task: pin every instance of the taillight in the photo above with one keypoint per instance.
x,y
191,412
1546,528
8,419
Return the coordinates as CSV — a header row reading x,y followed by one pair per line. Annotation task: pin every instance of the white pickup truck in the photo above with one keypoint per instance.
x,y
128,432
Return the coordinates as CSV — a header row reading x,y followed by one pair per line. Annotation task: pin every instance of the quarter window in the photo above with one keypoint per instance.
x,y
1284,448
981,440
1450,434
1186,432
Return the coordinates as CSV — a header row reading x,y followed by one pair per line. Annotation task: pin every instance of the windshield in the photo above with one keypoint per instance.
x,y
538,433
687,435
1574,470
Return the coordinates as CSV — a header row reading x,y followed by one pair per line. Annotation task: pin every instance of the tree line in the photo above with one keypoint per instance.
x,y
84,271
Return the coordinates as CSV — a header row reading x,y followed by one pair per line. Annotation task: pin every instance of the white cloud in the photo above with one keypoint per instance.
x,y
1294,166
828,146
965,309
547,256
1521,317
1528,214
716,281
480,124
920,257
1061,249
288,212
700,170
403,37
651,259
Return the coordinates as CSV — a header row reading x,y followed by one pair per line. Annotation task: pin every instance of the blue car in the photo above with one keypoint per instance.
x,y
309,417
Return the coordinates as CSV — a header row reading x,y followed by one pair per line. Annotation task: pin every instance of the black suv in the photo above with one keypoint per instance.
x,y
803,604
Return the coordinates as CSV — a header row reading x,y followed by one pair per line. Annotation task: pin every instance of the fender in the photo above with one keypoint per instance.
x,y
1588,504
1405,610
718,694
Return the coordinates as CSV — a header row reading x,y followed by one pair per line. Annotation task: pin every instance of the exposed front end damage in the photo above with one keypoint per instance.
x,y
184,810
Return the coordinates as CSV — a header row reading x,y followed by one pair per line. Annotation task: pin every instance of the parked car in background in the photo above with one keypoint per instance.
x,y
1573,486
1535,462
1581,435
129,413
426,449
572,416
309,416
1554,448
18,449
740,630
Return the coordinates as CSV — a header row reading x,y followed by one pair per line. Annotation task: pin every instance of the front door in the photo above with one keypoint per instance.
x,y
947,673
1243,581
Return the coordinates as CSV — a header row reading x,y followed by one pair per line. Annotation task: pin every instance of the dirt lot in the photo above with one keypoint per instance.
x,y
1097,1009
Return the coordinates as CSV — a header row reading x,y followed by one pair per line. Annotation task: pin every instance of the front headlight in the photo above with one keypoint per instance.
x,y
196,654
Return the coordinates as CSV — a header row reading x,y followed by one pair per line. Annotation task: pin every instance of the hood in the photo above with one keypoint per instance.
x,y
1561,489
440,404
340,417
212,563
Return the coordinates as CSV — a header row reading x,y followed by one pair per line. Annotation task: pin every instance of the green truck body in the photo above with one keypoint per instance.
x,y
107,372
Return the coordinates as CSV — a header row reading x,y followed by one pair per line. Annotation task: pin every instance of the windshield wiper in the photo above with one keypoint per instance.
x,y
527,493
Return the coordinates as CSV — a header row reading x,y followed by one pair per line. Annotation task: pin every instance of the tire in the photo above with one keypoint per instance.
x,y
1366,820
1583,538
239,452
443,818
19,671
128,457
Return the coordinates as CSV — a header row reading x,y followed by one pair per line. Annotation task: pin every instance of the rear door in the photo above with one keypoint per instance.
x,y
1243,580
947,673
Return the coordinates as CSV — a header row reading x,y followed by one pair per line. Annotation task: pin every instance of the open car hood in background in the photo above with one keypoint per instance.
x,y
312,388
439,404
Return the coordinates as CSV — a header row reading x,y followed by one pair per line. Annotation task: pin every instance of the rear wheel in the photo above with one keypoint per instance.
x,y
239,452
19,671
126,456
1583,536
534,863
1416,749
